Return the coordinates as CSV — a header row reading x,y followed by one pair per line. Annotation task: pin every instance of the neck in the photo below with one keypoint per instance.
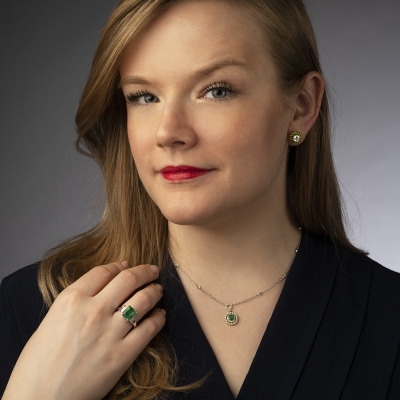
x,y
252,249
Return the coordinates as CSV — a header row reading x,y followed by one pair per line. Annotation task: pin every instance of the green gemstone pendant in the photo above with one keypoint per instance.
x,y
128,313
231,318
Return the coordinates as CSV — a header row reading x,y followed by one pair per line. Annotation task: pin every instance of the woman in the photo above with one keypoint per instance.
x,y
222,106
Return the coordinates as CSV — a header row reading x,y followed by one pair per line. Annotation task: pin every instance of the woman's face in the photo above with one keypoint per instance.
x,y
201,92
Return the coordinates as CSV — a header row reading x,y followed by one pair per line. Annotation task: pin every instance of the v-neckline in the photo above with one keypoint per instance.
x,y
278,352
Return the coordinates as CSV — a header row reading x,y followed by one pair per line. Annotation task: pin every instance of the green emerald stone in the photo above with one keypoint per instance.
x,y
129,313
231,318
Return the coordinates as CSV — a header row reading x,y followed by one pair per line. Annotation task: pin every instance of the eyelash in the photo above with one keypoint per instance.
x,y
132,98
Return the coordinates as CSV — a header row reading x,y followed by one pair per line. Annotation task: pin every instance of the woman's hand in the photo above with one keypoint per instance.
x,y
83,346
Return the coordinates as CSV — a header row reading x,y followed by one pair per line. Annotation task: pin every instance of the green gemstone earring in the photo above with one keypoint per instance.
x,y
295,138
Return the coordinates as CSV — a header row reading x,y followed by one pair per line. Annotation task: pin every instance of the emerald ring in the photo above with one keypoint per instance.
x,y
129,314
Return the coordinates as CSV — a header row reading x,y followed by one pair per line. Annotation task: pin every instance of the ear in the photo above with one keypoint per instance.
x,y
308,103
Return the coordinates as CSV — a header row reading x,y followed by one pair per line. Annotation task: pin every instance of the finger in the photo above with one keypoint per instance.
x,y
124,284
97,278
138,338
142,302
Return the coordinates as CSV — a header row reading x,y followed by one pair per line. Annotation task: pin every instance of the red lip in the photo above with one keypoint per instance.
x,y
183,172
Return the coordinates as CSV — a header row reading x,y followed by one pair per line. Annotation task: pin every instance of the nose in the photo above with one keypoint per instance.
x,y
174,129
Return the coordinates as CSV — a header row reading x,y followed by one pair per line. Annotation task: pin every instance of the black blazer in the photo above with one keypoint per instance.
x,y
334,333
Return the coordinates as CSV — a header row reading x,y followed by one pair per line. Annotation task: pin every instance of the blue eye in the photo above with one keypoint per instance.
x,y
140,98
220,91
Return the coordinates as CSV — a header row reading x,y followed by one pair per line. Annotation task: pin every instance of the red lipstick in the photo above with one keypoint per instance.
x,y
183,172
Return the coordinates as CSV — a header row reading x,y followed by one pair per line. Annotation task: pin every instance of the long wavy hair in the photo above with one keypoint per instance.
x,y
132,227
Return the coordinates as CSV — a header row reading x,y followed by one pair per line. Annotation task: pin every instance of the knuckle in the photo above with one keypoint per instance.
x,y
152,327
103,272
145,300
94,318
117,265
129,276
69,297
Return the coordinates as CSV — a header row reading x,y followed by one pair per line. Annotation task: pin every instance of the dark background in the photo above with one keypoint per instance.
x,y
48,191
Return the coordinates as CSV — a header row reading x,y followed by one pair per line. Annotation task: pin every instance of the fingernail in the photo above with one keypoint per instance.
x,y
163,312
159,286
125,264
154,269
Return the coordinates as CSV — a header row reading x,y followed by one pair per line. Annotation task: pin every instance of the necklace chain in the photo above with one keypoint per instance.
x,y
229,306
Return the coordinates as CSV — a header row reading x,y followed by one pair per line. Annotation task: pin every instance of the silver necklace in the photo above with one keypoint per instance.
x,y
231,318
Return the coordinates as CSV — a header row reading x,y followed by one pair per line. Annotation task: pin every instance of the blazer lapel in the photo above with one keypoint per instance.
x,y
295,324
196,358
309,344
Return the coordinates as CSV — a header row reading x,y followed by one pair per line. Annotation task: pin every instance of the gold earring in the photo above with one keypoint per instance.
x,y
295,138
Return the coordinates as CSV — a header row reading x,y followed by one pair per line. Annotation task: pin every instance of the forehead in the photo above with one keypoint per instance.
x,y
195,33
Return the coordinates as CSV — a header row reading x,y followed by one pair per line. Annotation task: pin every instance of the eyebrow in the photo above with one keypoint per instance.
x,y
197,74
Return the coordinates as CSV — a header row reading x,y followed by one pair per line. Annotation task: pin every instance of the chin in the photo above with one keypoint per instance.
x,y
181,215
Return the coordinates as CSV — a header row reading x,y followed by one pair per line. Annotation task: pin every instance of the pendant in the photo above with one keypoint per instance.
x,y
231,318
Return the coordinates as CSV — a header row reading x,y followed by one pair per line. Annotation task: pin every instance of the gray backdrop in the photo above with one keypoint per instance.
x,y
48,190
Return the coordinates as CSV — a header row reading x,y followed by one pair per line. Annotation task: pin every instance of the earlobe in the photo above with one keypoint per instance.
x,y
308,103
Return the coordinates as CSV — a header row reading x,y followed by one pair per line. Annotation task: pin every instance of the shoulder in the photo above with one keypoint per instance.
x,y
23,284
20,295
22,310
380,275
357,278
357,331
26,276
378,344
356,266
381,284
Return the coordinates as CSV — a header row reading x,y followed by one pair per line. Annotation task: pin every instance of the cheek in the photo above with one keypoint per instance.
x,y
141,144
259,148
257,132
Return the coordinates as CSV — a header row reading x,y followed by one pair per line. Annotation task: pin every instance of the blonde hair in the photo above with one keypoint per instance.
x,y
132,227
